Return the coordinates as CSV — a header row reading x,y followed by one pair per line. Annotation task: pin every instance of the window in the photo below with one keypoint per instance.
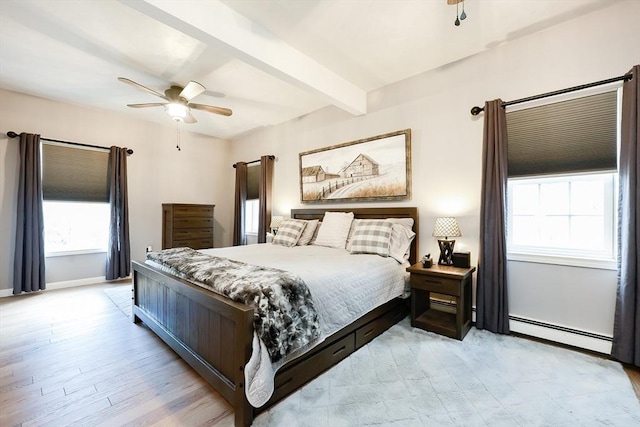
x,y
75,227
570,216
76,199
562,183
251,217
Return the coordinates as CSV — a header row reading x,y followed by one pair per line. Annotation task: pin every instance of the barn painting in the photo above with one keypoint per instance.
x,y
376,168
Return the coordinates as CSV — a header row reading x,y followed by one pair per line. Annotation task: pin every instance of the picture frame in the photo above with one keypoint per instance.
x,y
370,169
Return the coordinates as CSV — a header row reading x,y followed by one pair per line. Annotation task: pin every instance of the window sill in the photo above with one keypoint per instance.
x,y
78,252
598,263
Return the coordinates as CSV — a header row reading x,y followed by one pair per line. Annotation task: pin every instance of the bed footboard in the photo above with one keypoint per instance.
x,y
211,333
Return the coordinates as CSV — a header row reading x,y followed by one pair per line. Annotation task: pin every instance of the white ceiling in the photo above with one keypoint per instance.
x,y
268,60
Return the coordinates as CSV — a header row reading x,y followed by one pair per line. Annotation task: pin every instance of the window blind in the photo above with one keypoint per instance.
x,y
74,174
253,182
578,135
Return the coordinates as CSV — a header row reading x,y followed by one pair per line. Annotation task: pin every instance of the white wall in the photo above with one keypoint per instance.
x,y
158,174
447,140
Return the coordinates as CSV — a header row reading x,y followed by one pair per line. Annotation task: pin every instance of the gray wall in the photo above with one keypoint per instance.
x,y
447,145
157,174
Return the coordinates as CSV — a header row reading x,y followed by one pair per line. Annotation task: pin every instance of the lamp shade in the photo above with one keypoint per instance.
x,y
446,227
276,220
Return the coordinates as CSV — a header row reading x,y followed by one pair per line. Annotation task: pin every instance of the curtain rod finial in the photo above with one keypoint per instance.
x,y
12,134
476,110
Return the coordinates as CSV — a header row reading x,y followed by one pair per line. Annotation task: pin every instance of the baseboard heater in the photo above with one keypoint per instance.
x,y
549,331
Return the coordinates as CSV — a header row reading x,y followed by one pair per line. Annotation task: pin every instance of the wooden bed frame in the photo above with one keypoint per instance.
x,y
213,334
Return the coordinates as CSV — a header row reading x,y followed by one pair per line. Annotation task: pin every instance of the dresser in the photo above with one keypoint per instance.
x,y
187,225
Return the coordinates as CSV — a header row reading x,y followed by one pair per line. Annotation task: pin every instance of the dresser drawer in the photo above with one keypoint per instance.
x,y
193,243
190,211
436,284
192,233
179,223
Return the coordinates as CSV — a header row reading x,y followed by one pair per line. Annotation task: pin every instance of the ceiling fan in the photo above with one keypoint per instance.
x,y
178,106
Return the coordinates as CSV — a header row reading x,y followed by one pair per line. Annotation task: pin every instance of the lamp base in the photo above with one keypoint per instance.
x,y
446,251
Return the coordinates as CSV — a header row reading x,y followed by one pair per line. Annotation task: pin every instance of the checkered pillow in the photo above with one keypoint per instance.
x,y
289,232
371,237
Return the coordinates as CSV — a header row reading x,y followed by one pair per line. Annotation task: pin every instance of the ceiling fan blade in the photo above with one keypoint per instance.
x,y
141,87
190,119
192,90
152,104
211,109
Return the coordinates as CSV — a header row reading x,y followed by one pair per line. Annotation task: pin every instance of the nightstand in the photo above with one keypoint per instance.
x,y
450,281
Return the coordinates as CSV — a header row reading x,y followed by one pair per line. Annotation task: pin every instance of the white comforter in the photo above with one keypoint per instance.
x,y
343,287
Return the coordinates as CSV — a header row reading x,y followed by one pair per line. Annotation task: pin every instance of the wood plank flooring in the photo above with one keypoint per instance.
x,y
70,357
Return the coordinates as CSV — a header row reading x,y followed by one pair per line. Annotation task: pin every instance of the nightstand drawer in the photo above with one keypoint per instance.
x,y
436,284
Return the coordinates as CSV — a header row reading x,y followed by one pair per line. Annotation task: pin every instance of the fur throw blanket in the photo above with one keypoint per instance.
x,y
284,315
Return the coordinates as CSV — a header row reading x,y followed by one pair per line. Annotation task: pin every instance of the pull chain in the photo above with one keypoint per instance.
x,y
178,135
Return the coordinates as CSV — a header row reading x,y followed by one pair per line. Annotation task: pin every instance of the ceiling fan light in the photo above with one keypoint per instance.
x,y
177,111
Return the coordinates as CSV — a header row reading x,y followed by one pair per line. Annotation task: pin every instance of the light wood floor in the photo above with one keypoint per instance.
x,y
70,357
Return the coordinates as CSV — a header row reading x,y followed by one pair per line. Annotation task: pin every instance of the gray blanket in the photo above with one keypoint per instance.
x,y
284,316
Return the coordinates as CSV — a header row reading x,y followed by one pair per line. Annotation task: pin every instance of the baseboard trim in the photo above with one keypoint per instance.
x,y
558,333
61,285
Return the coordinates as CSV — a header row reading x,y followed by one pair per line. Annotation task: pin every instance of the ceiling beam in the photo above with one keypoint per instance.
x,y
216,24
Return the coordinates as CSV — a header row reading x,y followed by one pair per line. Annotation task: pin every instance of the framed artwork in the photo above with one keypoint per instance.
x,y
370,169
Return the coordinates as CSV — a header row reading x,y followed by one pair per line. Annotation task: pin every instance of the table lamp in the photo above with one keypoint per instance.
x,y
276,220
446,227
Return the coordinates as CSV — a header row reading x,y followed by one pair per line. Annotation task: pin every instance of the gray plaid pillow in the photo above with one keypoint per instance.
x,y
289,232
371,237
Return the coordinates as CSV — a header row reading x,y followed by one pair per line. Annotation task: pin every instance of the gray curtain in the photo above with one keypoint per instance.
x,y
626,327
264,194
240,199
28,266
118,249
492,308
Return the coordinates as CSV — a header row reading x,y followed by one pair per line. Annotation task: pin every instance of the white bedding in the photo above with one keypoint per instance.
x,y
343,287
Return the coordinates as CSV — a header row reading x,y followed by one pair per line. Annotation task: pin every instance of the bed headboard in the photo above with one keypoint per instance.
x,y
370,213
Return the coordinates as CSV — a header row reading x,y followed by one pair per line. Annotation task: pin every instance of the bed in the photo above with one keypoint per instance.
x,y
214,334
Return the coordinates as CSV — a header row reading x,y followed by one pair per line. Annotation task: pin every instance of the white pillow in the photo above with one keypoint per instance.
x,y
371,237
334,230
400,245
289,232
354,224
405,222
308,232
400,242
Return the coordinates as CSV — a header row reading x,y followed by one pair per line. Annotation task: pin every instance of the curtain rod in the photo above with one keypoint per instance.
x,y
477,110
271,157
12,134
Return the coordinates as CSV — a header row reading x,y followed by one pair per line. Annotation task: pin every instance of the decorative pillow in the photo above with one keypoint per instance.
x,y
308,232
354,224
371,237
315,233
289,232
334,230
400,242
